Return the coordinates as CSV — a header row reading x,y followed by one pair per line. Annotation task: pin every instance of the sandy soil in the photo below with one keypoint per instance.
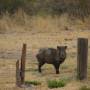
x,y
10,52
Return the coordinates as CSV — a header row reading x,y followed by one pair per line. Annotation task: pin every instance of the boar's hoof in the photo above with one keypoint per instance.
x,y
57,72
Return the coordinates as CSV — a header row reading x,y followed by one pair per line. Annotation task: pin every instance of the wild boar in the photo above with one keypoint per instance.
x,y
51,56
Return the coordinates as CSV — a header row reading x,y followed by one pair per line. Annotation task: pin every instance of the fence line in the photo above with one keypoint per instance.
x,y
82,57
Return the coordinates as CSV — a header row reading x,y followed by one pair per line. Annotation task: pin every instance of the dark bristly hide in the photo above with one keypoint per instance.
x,y
51,56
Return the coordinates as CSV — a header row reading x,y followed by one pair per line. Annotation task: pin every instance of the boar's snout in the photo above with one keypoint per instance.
x,y
61,52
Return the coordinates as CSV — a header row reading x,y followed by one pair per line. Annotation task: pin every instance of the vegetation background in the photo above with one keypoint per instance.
x,y
44,7
42,23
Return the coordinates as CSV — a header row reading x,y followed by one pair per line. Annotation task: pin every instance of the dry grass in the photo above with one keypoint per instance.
x,y
40,32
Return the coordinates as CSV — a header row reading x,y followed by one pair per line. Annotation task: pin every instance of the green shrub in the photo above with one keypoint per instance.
x,y
33,82
56,83
10,5
84,88
42,7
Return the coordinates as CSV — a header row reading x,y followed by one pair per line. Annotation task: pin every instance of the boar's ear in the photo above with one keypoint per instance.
x,y
58,47
65,47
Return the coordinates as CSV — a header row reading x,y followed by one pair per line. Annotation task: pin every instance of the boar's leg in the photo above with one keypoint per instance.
x,y
57,65
39,66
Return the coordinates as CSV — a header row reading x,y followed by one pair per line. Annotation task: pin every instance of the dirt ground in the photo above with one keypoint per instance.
x,y
10,52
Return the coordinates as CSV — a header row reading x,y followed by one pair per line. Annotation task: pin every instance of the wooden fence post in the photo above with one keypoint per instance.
x,y
23,59
82,58
18,79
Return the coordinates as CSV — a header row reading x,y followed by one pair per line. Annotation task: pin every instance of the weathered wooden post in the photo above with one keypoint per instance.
x,y
82,58
18,79
23,59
